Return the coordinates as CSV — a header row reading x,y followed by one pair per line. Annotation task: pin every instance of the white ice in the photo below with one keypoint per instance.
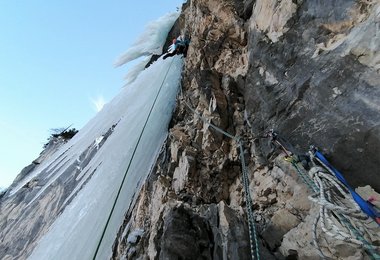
x,y
136,70
77,232
151,41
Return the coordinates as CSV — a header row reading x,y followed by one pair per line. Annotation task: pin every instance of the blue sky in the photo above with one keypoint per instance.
x,y
56,63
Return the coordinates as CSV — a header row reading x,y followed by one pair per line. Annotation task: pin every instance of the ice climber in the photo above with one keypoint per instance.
x,y
179,46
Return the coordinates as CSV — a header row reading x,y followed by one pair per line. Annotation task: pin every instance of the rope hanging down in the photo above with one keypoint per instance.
x,y
255,254
130,162
335,202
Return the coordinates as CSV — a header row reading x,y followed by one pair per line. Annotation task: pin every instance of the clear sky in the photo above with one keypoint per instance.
x,y
56,64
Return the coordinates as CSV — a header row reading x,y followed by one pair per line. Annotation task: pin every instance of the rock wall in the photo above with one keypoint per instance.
x,y
185,210
27,215
307,69
314,77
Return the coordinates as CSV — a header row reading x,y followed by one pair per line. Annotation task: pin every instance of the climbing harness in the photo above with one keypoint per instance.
x,y
255,253
130,162
336,205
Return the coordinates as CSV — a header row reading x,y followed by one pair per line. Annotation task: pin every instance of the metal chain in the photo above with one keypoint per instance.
x,y
249,206
254,246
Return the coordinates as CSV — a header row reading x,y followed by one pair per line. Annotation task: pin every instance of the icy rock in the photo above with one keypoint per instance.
x,y
65,198
134,236
2,192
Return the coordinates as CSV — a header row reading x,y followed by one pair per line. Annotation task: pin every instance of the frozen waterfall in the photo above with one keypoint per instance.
x,y
77,231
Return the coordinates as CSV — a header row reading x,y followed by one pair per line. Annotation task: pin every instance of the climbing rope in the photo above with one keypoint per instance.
x,y
305,177
335,203
254,246
130,162
350,217
364,205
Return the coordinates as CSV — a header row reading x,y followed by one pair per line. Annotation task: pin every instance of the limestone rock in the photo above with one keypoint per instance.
x,y
271,16
185,235
308,69
181,173
368,193
298,241
313,101
229,232
281,222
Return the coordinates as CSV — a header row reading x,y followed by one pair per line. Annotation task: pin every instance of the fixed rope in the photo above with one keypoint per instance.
x,y
344,213
254,246
335,202
130,162
332,204
364,205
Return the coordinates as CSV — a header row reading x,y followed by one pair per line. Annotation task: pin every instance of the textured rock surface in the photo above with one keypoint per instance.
x,y
187,197
309,69
251,66
314,77
27,215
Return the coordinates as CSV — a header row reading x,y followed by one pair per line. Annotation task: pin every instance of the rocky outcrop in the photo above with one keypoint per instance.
x,y
39,195
252,66
183,210
314,77
309,69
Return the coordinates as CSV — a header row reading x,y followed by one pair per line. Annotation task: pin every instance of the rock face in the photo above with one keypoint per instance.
x,y
24,219
14,210
309,69
314,76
